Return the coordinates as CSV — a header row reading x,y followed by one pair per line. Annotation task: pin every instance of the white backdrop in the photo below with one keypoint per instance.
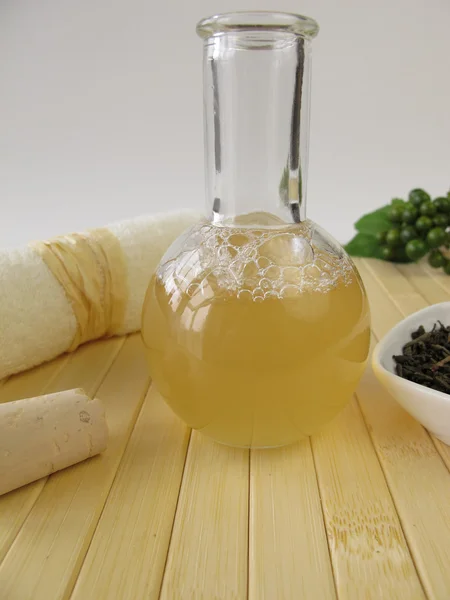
x,y
101,108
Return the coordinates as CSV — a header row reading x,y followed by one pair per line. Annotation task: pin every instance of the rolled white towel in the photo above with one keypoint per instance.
x,y
37,317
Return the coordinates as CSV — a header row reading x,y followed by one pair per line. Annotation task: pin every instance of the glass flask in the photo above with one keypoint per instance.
x,y
256,322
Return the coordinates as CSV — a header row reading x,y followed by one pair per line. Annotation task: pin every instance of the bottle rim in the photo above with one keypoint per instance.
x,y
263,21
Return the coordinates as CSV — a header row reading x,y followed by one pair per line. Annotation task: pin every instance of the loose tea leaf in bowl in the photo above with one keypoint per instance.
x,y
426,358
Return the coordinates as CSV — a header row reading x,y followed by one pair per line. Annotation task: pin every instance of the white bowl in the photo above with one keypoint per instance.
x,y
429,407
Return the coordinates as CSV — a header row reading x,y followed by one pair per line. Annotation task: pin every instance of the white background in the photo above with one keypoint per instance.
x,y
101,108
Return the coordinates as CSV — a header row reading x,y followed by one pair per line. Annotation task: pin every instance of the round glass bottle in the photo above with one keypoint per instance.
x,y
256,323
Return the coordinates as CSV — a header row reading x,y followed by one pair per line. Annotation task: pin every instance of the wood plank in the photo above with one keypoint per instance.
x,y
370,555
432,284
48,551
33,382
418,480
86,369
381,314
397,287
288,548
208,553
385,313
441,278
416,475
128,552
422,281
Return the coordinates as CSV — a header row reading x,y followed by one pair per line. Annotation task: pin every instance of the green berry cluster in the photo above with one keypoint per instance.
x,y
419,227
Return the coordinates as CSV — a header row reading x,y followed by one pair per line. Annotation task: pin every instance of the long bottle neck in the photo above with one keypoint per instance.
x,y
256,95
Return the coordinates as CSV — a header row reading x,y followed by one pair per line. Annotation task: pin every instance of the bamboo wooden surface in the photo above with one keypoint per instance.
x,y
360,511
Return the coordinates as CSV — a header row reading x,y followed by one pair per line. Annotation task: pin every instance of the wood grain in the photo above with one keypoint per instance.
x,y
369,552
26,384
288,548
423,283
208,553
48,551
128,553
382,317
441,278
418,480
398,288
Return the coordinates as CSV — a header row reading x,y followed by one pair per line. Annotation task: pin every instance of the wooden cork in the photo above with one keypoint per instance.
x,y
41,435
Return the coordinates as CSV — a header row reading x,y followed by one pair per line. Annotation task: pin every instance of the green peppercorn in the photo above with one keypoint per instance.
x,y
436,237
387,253
416,249
436,259
410,213
393,238
424,224
408,233
428,209
442,204
418,196
395,214
440,220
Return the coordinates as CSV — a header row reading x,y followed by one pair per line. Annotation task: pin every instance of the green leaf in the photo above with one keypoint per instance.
x,y
397,202
374,222
364,245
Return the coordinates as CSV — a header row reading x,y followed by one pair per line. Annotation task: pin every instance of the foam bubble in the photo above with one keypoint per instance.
x,y
256,263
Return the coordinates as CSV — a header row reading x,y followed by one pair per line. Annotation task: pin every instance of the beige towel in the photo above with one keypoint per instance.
x,y
37,318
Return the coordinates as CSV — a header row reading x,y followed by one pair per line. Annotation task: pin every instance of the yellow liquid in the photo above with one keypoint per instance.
x,y
251,368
